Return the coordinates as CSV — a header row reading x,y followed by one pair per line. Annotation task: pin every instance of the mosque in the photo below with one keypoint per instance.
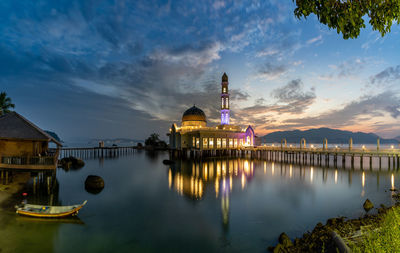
x,y
194,134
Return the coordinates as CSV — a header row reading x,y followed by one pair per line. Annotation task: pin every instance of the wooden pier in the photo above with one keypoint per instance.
x,y
97,152
325,157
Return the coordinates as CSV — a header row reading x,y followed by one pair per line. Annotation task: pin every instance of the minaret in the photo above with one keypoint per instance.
x,y
224,100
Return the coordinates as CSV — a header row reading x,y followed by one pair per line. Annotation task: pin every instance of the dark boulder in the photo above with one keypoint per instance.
x,y
168,162
72,163
368,205
94,184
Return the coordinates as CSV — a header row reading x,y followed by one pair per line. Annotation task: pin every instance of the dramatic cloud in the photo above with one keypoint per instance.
x,y
368,106
386,76
291,99
194,56
132,67
346,69
270,71
293,93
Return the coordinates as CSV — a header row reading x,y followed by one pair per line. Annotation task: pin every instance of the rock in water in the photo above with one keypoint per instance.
x,y
94,184
71,163
368,205
168,162
285,240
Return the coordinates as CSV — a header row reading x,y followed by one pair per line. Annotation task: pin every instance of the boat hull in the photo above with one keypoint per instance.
x,y
71,212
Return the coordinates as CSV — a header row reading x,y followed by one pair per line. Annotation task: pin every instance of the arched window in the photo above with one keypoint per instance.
x,y
227,103
222,103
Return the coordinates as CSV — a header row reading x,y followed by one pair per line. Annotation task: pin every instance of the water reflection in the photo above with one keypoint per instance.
x,y
192,178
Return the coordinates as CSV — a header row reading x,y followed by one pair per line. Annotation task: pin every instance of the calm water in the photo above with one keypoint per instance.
x,y
235,205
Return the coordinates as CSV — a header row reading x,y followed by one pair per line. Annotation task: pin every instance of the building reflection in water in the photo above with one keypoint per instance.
x,y
191,179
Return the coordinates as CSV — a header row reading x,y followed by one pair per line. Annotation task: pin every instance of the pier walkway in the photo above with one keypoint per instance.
x,y
97,152
326,157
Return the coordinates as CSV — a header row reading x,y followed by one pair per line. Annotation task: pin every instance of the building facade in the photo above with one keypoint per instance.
x,y
195,134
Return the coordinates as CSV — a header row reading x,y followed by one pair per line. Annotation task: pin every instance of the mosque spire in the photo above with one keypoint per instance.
x,y
224,100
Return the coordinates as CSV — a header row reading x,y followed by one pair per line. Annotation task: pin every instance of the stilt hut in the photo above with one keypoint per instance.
x,y
23,145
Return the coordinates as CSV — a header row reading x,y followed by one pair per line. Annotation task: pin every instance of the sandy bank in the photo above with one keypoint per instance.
x,y
19,180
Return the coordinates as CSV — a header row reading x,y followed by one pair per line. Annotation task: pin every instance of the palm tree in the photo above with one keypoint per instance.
x,y
5,103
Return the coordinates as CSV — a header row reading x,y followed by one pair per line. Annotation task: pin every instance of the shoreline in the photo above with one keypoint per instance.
x,y
8,191
336,234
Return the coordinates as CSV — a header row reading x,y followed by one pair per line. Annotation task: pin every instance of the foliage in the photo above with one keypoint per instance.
x,y
347,16
5,103
154,141
384,239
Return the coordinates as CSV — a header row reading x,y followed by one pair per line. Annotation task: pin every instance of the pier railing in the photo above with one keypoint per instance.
x,y
97,152
27,160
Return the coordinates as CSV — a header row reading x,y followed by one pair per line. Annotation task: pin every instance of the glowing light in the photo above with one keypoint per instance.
x,y
312,145
392,180
224,168
205,172
218,169
243,181
273,168
191,186
363,179
273,145
200,188
246,167
290,145
265,167
224,184
196,187
336,146
181,184
216,186
336,176
392,147
363,146
290,170
169,178
230,183
311,174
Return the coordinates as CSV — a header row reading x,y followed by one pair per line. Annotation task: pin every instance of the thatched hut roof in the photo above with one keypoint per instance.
x,y
14,126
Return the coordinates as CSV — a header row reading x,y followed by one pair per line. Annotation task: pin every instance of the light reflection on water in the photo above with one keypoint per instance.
x,y
215,205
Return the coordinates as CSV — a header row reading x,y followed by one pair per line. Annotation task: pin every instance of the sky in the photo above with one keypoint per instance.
x,y
113,69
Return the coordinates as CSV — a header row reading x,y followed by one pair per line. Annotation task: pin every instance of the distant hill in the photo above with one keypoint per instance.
x,y
54,135
334,136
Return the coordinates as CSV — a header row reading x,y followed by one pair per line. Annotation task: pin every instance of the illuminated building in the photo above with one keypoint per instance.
x,y
195,134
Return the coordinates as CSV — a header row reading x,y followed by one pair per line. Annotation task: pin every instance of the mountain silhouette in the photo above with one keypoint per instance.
x,y
334,136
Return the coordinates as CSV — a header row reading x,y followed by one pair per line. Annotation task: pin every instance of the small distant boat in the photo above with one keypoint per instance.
x,y
49,211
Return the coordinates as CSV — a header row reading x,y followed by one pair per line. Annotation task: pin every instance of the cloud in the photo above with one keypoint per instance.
x,y
281,45
290,99
293,92
270,71
218,5
370,106
317,39
202,54
386,76
347,69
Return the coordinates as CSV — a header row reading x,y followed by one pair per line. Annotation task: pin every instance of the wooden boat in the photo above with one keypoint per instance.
x,y
49,211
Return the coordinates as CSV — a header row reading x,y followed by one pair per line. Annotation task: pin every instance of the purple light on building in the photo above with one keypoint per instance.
x,y
224,100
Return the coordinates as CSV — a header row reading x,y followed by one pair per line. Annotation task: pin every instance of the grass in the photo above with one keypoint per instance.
x,y
384,239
